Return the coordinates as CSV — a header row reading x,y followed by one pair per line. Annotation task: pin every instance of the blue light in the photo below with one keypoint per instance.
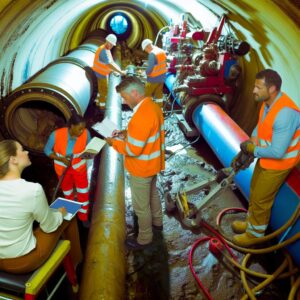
x,y
119,24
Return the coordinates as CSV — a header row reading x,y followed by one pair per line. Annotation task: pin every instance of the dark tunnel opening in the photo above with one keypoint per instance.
x,y
33,121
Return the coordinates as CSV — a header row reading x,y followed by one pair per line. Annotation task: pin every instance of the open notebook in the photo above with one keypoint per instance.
x,y
71,206
105,128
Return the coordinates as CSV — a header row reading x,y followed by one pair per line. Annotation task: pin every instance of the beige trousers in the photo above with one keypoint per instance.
x,y
102,92
147,206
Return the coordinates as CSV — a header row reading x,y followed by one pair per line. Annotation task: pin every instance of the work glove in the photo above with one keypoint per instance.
x,y
242,161
248,147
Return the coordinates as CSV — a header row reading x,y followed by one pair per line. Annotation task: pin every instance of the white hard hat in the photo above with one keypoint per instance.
x,y
111,38
145,43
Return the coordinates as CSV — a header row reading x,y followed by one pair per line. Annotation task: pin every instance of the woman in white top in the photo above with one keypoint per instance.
x,y
23,249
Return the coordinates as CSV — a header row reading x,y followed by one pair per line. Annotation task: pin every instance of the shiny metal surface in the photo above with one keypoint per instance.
x,y
49,98
104,267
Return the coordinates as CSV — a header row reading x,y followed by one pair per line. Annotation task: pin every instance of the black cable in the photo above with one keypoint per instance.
x,y
189,144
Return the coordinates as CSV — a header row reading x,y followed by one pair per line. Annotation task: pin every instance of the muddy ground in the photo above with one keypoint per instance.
x,y
162,270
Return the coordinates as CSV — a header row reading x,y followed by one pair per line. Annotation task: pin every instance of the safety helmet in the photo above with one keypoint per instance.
x,y
145,43
111,38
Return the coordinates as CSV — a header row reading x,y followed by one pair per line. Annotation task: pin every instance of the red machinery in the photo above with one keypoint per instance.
x,y
209,68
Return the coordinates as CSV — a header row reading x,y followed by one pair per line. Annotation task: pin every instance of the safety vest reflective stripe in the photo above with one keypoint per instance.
x,y
98,66
82,191
82,210
291,154
78,165
150,156
141,144
161,66
129,152
135,142
60,163
84,203
76,155
295,141
68,192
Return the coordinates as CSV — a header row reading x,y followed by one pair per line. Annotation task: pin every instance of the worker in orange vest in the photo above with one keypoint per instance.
x,y
275,142
142,145
65,146
103,65
156,71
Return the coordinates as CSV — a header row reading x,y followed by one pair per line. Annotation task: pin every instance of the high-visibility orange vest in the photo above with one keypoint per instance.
x,y
161,66
60,149
265,131
144,147
99,66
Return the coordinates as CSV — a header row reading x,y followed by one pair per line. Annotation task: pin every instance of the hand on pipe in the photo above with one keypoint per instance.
x,y
247,147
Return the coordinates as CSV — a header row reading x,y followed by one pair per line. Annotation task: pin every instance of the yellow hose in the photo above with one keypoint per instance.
x,y
268,278
249,292
268,237
292,278
267,281
294,289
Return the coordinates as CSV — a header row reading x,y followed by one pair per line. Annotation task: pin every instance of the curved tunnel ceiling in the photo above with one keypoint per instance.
x,y
32,34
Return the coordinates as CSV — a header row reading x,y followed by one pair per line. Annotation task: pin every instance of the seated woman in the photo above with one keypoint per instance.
x,y
23,249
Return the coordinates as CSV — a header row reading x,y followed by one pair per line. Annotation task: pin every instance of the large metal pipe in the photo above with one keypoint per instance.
x,y
224,137
65,86
104,266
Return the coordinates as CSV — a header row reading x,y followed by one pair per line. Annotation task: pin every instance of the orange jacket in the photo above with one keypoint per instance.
x,y
161,66
60,149
144,146
99,66
265,131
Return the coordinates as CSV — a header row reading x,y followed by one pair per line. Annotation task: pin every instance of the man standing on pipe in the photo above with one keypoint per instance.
x,y
103,65
156,71
276,143
63,144
142,144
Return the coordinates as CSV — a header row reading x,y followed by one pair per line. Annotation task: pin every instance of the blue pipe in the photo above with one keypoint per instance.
x,y
224,137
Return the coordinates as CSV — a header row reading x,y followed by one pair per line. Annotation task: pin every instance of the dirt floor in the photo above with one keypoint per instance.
x,y
162,271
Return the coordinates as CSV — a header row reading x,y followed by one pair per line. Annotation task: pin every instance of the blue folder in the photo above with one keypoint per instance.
x,y
71,206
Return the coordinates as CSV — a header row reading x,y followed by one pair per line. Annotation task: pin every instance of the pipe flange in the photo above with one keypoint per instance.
x,y
194,102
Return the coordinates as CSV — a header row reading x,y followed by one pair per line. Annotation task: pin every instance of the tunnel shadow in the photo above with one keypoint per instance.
x,y
149,277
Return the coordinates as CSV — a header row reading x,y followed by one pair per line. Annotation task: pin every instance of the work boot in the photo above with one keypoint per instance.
x,y
244,240
239,226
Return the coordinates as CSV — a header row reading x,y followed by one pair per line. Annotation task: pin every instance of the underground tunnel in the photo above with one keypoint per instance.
x,y
47,50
